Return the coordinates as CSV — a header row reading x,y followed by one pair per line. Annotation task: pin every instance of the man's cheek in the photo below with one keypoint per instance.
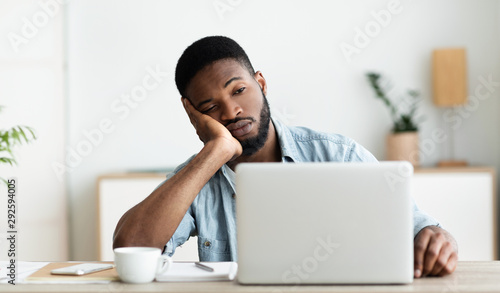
x,y
216,117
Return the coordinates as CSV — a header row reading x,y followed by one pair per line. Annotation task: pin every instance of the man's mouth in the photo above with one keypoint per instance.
x,y
240,128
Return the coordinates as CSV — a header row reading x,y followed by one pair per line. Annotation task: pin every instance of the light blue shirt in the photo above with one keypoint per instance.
x,y
211,216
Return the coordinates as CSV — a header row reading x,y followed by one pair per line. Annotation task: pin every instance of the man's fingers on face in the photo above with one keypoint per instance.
x,y
433,250
187,106
420,246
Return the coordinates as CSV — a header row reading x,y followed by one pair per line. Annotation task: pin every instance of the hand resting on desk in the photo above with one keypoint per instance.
x,y
435,252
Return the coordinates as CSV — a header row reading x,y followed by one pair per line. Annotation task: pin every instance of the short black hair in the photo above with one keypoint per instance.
x,y
204,52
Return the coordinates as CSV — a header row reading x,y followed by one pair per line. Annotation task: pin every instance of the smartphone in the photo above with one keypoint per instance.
x,y
82,269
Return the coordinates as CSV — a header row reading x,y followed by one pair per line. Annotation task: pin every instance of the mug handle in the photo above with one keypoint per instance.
x,y
164,262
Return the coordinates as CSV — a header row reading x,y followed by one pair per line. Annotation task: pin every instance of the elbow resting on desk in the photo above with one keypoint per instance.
x,y
127,234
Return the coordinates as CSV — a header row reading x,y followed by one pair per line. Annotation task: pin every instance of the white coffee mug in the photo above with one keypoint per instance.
x,y
140,264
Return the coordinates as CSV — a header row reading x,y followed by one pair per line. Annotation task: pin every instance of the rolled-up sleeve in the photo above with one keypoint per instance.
x,y
187,226
185,230
421,219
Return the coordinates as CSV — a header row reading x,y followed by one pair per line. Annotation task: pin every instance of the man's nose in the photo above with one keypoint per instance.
x,y
230,110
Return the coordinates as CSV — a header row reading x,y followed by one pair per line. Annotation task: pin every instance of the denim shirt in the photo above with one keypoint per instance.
x,y
212,216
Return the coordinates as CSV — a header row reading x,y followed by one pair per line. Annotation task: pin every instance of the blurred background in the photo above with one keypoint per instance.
x,y
95,79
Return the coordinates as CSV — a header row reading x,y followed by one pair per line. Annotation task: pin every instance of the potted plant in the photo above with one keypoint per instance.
x,y
9,139
402,143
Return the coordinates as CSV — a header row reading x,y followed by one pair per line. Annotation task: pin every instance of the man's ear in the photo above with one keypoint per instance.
x,y
261,81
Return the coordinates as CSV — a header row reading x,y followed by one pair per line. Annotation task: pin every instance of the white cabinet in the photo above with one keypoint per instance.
x,y
117,193
463,200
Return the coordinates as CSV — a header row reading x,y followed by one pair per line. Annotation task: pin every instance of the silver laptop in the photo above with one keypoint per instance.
x,y
324,223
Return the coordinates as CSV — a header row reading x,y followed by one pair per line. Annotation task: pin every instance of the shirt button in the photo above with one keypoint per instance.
x,y
207,243
234,195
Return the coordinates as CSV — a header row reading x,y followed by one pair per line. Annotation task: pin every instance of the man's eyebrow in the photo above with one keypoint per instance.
x,y
231,80
204,102
225,86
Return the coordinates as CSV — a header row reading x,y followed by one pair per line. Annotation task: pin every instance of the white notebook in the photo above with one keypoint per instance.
x,y
189,272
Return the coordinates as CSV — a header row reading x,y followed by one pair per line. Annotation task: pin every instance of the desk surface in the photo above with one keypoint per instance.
x,y
469,277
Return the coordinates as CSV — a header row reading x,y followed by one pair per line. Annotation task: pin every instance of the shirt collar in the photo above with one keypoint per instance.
x,y
287,143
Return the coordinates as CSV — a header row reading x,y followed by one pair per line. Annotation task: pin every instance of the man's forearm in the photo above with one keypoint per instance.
x,y
153,221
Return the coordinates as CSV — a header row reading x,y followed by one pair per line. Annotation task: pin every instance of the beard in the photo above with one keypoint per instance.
x,y
253,144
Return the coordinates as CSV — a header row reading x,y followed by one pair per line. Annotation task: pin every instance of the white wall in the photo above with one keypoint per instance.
x,y
111,44
297,46
31,89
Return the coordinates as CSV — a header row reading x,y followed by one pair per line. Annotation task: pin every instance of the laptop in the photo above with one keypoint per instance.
x,y
324,223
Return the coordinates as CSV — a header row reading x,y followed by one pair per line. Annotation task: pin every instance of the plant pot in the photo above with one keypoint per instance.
x,y
403,146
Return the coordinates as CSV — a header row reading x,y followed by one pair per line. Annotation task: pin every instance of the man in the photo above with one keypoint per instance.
x,y
225,100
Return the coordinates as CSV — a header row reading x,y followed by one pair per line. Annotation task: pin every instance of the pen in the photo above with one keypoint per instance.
x,y
203,267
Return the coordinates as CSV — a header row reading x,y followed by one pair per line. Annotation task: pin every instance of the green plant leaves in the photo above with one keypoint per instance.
x,y
12,137
10,161
15,136
401,121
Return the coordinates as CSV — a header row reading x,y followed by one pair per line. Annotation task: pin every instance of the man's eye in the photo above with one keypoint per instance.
x,y
208,110
239,91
